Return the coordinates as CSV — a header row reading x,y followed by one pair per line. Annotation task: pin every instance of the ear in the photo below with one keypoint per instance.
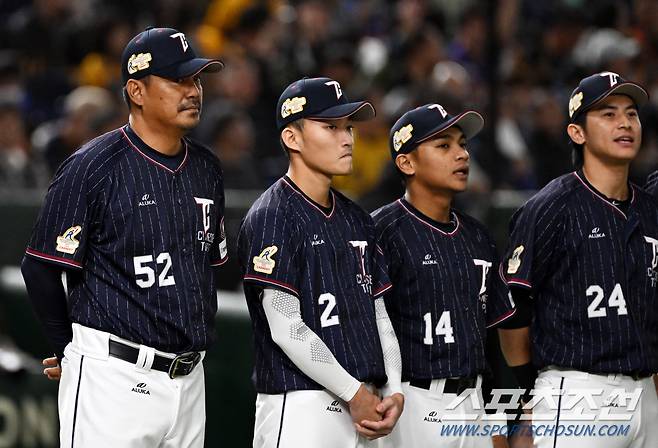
x,y
135,89
405,163
576,133
292,138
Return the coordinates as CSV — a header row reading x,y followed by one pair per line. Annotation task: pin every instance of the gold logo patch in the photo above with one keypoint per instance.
x,y
514,262
264,263
138,62
402,136
575,103
293,106
66,242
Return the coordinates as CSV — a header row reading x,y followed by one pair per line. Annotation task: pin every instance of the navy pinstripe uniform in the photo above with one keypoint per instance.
x,y
652,184
444,276
142,237
328,258
591,269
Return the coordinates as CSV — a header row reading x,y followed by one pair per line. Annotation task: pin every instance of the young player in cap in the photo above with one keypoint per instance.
x,y
135,218
442,266
581,265
313,280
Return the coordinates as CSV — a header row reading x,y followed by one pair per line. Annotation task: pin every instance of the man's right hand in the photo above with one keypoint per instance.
x,y
363,406
53,370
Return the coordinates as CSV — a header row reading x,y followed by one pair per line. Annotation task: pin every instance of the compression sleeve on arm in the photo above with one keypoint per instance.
x,y
48,297
305,348
390,348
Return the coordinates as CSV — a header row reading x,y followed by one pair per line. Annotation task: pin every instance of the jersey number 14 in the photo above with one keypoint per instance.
x,y
443,328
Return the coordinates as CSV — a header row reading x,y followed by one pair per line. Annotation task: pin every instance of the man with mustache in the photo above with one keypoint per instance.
x,y
446,290
136,220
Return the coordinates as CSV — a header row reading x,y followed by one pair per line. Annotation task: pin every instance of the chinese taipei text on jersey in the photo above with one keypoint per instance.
x,y
592,268
328,258
446,291
142,237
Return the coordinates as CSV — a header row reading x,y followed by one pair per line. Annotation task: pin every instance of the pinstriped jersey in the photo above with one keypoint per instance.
x,y
445,292
329,260
141,238
591,269
652,184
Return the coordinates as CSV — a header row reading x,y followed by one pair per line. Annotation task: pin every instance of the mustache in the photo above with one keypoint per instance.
x,y
189,105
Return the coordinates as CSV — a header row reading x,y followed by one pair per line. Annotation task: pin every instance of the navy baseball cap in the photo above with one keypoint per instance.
x,y
319,98
164,52
599,86
424,122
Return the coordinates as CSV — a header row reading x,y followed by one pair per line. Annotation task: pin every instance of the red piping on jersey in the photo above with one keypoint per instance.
x,y
516,281
505,316
273,282
333,200
155,162
219,262
382,290
430,225
599,196
61,260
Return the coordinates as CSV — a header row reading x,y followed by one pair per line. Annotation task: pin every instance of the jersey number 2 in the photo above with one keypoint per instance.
x,y
443,328
616,299
141,268
326,319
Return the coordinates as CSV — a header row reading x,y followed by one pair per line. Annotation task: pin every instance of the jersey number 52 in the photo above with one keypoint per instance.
x,y
143,267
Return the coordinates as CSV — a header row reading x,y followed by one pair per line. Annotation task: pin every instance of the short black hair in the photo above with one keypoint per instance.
x,y
297,124
577,157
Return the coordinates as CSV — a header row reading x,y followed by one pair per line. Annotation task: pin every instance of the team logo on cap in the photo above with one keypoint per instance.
x,y
264,263
292,106
139,62
66,242
514,262
183,41
575,103
402,136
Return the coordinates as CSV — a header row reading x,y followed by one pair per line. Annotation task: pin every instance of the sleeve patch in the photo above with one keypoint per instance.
x,y
263,262
514,263
66,242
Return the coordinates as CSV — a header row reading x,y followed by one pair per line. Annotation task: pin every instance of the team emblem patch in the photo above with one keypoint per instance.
x,y
292,106
514,262
66,242
139,62
264,263
402,136
574,103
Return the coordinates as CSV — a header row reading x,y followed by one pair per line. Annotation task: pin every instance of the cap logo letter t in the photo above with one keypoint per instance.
x,y
613,77
440,109
183,41
339,92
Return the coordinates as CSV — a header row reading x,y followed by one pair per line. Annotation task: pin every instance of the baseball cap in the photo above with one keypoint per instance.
x,y
320,98
164,52
424,122
599,86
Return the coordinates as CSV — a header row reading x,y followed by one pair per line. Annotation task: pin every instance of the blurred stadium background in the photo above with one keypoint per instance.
x,y
516,61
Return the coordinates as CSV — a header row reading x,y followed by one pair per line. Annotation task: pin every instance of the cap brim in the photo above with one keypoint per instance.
x,y
191,68
470,122
359,111
630,89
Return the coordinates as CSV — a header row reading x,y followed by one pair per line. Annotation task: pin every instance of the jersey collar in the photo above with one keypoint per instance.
x,y
610,202
151,154
326,212
441,227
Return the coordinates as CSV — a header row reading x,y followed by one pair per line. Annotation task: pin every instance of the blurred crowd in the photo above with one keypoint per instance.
x,y
515,61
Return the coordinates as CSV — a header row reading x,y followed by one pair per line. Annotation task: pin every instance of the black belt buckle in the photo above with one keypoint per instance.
x,y
183,364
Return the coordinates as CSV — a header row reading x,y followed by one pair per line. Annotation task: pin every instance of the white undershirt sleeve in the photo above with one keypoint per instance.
x,y
305,348
390,348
